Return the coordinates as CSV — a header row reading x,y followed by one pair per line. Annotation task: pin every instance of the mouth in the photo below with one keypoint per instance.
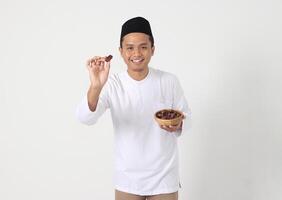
x,y
137,60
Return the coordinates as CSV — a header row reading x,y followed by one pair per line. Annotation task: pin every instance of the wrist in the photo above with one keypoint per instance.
x,y
95,87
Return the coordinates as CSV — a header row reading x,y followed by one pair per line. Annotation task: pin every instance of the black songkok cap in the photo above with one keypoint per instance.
x,y
136,24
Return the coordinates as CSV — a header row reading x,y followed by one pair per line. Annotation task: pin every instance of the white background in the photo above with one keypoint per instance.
x,y
226,54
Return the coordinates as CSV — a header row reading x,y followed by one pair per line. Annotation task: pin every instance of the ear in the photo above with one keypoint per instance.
x,y
153,50
120,50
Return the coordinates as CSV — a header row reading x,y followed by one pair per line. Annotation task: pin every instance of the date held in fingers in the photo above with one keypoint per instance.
x,y
108,58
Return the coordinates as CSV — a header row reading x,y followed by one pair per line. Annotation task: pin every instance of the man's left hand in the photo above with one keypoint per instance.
x,y
171,128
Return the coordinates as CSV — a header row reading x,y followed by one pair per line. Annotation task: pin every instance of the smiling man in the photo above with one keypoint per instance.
x,y
146,154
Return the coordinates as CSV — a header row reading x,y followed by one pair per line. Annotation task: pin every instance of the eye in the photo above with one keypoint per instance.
x,y
129,48
144,47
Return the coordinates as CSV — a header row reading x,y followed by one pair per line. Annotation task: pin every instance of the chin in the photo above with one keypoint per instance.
x,y
137,68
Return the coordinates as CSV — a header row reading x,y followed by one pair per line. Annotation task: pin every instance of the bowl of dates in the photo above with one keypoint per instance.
x,y
168,117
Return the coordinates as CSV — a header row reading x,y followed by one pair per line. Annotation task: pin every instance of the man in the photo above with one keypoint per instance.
x,y
146,154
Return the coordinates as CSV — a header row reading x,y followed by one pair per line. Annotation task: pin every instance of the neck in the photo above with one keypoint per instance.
x,y
138,75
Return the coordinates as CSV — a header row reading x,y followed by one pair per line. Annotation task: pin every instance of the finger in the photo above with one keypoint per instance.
x,y
88,67
98,62
173,128
92,63
88,62
102,63
100,59
95,59
101,66
107,66
167,128
91,67
103,59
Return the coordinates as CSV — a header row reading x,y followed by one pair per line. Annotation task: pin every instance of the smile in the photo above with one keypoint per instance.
x,y
137,60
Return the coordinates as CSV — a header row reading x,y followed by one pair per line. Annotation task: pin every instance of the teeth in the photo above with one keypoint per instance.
x,y
137,60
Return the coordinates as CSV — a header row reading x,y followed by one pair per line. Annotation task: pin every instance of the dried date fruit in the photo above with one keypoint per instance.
x,y
167,114
108,58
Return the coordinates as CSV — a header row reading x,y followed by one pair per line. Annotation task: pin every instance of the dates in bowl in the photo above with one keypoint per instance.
x,y
168,117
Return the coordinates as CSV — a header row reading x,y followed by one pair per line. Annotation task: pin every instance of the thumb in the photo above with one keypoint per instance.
x,y
107,66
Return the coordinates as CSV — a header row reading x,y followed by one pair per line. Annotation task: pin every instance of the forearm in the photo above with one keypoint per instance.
x,y
93,97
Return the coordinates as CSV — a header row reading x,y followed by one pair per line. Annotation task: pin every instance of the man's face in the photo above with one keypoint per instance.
x,y
136,51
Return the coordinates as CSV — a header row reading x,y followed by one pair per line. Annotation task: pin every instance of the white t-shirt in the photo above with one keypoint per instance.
x,y
146,156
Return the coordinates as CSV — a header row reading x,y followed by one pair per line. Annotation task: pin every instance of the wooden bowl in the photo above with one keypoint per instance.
x,y
168,117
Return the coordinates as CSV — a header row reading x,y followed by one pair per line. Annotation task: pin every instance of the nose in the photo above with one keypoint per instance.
x,y
137,52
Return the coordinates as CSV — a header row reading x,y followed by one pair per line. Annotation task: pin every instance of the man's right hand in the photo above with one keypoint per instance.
x,y
98,71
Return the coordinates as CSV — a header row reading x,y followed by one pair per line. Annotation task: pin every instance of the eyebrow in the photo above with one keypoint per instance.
x,y
144,43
